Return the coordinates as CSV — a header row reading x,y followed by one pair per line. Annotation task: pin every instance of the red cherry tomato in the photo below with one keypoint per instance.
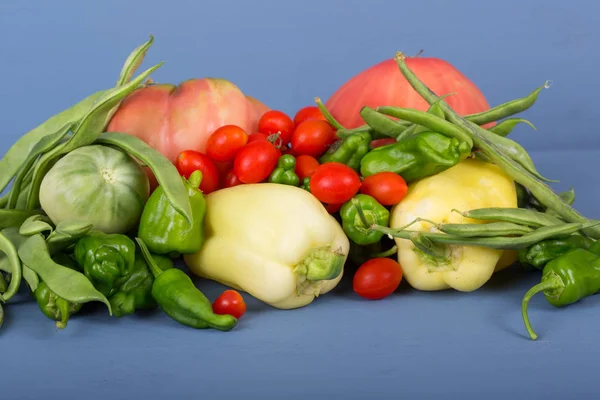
x,y
230,302
231,179
388,188
255,161
333,208
306,166
224,143
312,137
334,183
189,161
377,278
381,142
257,136
275,121
308,113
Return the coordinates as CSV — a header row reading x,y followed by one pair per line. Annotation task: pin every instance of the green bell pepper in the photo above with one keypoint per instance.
x,y
135,293
167,232
372,212
106,259
284,172
348,151
539,254
417,156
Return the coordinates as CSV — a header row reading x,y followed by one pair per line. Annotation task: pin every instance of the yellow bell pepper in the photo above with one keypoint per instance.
x,y
468,185
276,242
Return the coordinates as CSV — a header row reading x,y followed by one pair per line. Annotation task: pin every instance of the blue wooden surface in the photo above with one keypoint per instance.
x,y
411,345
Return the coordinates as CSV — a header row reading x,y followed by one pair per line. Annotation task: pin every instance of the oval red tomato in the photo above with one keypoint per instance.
x,y
377,278
230,302
224,143
313,137
306,166
388,188
255,161
189,161
277,122
334,183
231,179
257,136
308,113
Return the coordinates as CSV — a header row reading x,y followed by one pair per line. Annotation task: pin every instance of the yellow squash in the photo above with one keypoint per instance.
x,y
469,185
276,242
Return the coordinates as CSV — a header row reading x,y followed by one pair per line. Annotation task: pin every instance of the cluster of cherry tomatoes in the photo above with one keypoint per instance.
x,y
234,157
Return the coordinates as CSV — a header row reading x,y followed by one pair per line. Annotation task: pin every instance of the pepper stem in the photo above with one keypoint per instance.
x,y
553,282
195,179
156,271
62,307
335,123
320,264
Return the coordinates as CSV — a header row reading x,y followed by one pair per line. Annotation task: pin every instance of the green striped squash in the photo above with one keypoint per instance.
x,y
96,184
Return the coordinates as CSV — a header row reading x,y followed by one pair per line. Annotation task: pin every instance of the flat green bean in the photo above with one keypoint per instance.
x,y
507,109
513,169
165,172
7,247
65,282
522,216
490,229
17,240
429,121
133,61
504,128
87,131
10,218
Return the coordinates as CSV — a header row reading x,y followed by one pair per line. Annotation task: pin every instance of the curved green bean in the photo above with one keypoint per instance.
x,y
522,216
380,123
429,121
513,169
504,128
133,61
8,248
335,123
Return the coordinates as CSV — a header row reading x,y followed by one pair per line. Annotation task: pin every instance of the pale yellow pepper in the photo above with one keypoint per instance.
x,y
469,185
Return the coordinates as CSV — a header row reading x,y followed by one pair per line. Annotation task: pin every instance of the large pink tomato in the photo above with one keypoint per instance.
x,y
173,118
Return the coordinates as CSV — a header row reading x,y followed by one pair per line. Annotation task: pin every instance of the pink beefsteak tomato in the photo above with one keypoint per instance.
x,y
384,85
174,118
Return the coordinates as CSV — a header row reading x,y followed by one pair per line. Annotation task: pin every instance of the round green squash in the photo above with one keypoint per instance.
x,y
96,184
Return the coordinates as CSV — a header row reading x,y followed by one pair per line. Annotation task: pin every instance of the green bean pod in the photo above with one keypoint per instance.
x,y
16,272
504,128
522,216
380,123
490,229
133,61
429,121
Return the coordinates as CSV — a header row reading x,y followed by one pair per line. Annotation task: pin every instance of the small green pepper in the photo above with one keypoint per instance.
x,y
284,172
53,306
175,293
348,151
353,222
164,230
106,259
306,184
136,292
417,156
547,250
566,279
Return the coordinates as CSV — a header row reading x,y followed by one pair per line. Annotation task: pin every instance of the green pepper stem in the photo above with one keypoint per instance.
x,y
390,252
552,283
195,179
328,115
361,213
156,271
62,306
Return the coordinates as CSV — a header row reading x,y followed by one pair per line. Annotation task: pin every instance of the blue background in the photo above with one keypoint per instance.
x,y
411,345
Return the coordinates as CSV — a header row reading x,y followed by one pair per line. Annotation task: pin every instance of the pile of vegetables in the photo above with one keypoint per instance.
x,y
419,184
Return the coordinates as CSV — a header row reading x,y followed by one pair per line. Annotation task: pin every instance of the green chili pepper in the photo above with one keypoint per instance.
x,y
135,293
415,157
545,251
566,279
284,172
353,222
348,151
175,293
164,230
106,259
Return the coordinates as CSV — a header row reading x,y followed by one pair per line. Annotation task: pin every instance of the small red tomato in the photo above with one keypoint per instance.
x,y
255,161
377,278
224,143
257,136
189,161
388,188
381,142
313,137
231,179
275,121
230,302
308,113
333,208
334,183
306,166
